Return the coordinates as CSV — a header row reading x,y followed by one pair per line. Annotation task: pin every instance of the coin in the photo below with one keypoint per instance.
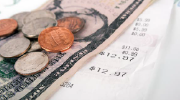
x,y
19,18
31,63
7,26
34,46
56,39
14,47
33,29
38,14
72,23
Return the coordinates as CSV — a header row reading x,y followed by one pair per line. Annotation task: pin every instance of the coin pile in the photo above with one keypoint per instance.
x,y
40,30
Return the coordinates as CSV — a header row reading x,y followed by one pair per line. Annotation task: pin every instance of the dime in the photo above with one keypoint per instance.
x,y
56,39
7,26
19,18
38,14
31,63
14,47
72,23
34,46
33,29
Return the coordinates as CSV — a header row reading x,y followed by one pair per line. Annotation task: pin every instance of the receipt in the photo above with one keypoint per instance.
x,y
123,70
166,80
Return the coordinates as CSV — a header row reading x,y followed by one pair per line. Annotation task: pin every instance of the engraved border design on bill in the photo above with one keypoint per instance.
x,y
21,82
66,66
41,87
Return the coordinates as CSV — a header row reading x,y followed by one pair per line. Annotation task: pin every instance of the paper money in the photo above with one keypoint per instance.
x,y
104,22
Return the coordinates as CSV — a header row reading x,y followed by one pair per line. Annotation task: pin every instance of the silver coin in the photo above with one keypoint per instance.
x,y
34,46
34,28
14,47
38,14
31,63
19,18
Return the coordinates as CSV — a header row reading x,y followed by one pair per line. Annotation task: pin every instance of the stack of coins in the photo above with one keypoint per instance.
x,y
40,30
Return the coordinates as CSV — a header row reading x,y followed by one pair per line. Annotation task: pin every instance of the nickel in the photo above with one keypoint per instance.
x,y
33,29
31,63
38,14
14,47
34,46
19,18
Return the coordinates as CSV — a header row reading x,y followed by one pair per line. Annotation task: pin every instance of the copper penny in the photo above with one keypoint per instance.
x,y
56,39
74,24
7,26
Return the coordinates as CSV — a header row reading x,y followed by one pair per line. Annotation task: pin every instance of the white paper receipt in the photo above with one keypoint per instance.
x,y
122,71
